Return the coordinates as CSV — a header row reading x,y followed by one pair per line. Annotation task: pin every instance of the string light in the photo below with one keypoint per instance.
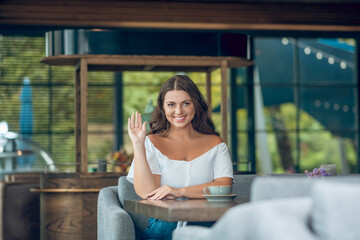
x,y
336,106
321,55
326,105
343,65
285,41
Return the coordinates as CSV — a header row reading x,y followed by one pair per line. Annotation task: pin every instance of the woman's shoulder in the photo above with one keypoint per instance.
x,y
155,139
212,139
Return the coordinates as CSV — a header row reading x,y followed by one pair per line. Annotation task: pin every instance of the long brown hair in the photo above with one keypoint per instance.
x,y
201,121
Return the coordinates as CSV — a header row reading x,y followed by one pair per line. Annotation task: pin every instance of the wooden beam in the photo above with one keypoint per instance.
x,y
161,60
224,94
235,15
146,60
84,116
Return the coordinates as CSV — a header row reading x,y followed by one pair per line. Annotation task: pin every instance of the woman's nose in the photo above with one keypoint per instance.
x,y
178,109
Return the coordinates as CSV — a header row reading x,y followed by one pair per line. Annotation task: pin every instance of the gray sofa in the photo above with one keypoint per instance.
x,y
280,207
115,223
283,208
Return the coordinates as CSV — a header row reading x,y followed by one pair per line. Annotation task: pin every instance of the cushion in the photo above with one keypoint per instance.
x,y
277,219
336,210
272,187
126,190
242,185
295,185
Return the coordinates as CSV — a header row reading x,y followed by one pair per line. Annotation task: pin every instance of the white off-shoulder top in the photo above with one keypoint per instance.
x,y
213,164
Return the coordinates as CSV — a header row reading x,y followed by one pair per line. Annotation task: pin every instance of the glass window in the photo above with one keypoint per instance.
x,y
41,111
305,101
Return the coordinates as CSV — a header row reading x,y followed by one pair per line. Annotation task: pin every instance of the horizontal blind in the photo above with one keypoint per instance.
x,y
52,106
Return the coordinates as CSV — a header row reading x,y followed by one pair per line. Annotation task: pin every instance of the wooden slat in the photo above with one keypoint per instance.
x,y
191,26
290,15
185,12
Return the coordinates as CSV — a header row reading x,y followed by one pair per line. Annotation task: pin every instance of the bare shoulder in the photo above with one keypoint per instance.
x,y
156,139
212,140
151,137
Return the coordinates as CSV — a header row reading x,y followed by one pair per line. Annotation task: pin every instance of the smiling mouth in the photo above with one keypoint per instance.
x,y
180,119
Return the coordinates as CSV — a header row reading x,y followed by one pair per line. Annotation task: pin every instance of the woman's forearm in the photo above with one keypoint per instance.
x,y
144,181
197,191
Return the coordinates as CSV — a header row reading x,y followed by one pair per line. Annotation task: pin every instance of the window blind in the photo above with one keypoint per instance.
x,y
52,106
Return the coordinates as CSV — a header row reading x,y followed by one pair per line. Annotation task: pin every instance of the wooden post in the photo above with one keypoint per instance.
x,y
208,90
81,118
77,119
224,86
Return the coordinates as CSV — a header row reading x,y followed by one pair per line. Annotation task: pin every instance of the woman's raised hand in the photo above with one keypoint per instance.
x,y
136,129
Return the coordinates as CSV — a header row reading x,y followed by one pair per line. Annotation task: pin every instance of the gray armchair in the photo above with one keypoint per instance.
x,y
284,207
115,223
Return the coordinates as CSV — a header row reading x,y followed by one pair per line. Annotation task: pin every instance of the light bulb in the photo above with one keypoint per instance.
x,y
343,65
285,41
319,55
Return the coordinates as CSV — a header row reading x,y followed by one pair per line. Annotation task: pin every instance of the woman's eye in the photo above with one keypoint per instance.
x,y
186,104
170,105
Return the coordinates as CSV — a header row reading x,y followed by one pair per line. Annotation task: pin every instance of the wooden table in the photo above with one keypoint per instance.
x,y
192,210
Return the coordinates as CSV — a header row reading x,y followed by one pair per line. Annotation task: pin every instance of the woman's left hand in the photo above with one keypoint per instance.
x,y
164,192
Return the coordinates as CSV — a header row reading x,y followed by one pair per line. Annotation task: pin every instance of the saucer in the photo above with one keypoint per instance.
x,y
218,198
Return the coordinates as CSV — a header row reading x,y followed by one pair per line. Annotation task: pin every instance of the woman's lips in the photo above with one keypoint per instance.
x,y
180,119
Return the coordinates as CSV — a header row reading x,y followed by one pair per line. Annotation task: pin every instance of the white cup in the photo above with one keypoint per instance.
x,y
218,190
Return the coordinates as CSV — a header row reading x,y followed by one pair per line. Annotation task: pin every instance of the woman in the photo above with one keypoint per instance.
x,y
182,154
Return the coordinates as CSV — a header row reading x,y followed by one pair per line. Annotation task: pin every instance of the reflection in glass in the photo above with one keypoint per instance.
x,y
242,152
322,147
308,104
326,60
332,107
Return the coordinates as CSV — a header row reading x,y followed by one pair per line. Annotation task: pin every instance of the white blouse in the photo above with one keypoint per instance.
x,y
213,164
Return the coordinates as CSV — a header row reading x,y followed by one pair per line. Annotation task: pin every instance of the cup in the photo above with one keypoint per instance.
x,y
102,163
218,190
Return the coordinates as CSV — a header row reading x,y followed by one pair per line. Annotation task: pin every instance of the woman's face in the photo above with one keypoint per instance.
x,y
179,109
